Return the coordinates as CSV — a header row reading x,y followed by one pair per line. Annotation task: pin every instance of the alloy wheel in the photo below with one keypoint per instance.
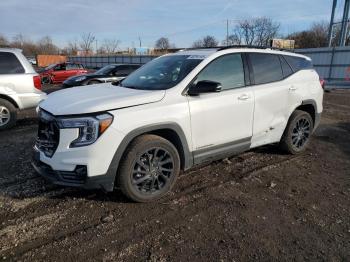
x,y
301,133
152,170
5,115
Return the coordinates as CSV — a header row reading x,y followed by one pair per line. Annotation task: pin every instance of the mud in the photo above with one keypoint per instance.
x,y
261,205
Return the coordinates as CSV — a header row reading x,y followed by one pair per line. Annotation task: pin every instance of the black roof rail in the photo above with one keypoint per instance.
x,y
219,48
255,47
200,48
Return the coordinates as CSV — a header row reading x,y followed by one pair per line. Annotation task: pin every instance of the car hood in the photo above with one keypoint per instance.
x,y
97,98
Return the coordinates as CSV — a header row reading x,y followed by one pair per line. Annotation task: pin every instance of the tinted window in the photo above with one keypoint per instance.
x,y
60,67
123,71
134,67
266,68
227,70
298,63
72,66
9,64
287,71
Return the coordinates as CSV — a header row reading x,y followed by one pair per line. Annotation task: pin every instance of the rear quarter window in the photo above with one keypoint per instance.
x,y
286,69
9,64
298,63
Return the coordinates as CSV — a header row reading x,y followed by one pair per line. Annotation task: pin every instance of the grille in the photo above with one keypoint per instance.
x,y
48,134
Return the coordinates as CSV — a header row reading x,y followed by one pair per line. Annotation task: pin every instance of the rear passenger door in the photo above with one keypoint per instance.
x,y
271,91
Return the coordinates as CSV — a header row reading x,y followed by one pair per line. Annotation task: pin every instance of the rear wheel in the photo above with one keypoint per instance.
x,y
8,114
298,131
149,168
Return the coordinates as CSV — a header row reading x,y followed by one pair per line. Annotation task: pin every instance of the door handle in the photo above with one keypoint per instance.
x,y
243,97
293,88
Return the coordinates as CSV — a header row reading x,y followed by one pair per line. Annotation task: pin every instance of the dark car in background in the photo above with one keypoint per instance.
x,y
109,73
57,73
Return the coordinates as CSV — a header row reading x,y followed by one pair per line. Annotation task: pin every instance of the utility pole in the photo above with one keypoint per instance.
x,y
344,26
227,32
96,47
330,31
140,41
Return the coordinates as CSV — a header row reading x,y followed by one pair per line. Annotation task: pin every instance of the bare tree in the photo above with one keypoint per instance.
x,y
207,41
109,46
87,40
28,47
162,43
232,40
3,41
258,31
72,47
46,46
315,37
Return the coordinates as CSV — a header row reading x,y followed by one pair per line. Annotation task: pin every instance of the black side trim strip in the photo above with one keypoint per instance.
x,y
221,151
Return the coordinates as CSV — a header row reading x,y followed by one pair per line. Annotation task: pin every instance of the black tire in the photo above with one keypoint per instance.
x,y
297,134
135,160
93,82
8,114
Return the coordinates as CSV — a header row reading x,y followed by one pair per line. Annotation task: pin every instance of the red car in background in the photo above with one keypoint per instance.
x,y
57,73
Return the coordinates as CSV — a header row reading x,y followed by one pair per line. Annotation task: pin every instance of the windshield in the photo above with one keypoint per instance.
x,y
162,73
105,70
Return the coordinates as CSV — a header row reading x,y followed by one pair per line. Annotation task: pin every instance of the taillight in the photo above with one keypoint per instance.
x,y
322,82
37,82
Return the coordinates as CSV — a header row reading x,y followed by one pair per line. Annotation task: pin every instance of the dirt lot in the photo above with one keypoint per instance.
x,y
262,205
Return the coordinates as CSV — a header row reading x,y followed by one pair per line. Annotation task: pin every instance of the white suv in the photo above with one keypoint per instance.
x,y
176,111
20,86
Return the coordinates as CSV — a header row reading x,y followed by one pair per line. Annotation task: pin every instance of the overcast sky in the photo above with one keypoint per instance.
x,y
182,21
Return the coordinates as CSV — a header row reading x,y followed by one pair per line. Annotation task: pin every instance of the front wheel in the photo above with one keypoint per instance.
x,y
148,169
298,132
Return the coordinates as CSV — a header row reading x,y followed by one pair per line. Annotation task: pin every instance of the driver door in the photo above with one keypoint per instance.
x,y
222,122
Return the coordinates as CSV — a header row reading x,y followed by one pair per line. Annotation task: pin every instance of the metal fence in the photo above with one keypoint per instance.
x,y
332,64
100,61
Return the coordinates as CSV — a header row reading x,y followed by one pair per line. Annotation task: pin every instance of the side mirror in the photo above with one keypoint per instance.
x,y
205,86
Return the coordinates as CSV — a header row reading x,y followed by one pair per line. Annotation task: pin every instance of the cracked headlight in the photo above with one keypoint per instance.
x,y
90,128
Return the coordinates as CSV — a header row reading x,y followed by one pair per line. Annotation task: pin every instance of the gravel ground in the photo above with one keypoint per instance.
x,y
261,205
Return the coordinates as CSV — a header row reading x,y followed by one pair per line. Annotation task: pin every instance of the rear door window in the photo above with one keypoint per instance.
x,y
266,68
9,64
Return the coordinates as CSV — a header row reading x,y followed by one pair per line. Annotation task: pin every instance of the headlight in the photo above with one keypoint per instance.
x,y
90,128
80,78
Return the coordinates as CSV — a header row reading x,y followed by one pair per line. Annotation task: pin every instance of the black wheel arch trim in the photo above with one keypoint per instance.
x,y
316,117
187,155
310,102
9,99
